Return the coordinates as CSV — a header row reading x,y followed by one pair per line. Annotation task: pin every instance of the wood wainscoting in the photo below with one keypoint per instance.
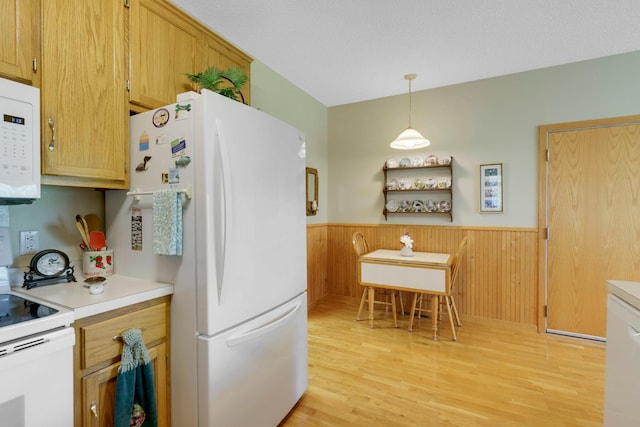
x,y
499,275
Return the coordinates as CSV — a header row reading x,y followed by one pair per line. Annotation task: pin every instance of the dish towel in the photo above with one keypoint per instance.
x,y
135,398
167,222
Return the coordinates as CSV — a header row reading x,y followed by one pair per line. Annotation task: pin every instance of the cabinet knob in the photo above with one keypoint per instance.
x,y
52,144
94,409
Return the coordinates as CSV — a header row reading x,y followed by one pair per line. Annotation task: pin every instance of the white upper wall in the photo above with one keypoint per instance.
x,y
487,121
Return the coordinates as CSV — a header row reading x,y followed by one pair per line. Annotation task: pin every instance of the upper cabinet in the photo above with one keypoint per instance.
x,y
83,94
18,39
220,54
99,60
164,45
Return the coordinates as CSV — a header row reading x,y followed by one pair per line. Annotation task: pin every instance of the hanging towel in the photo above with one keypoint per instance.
x,y
167,222
135,404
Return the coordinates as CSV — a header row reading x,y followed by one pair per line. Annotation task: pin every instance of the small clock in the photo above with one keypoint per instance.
x,y
47,267
160,117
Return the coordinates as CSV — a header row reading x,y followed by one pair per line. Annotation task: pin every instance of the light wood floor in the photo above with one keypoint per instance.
x,y
496,374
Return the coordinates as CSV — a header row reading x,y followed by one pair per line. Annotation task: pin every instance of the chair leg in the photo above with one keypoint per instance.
x,y
413,311
455,311
401,302
420,300
393,308
450,314
362,300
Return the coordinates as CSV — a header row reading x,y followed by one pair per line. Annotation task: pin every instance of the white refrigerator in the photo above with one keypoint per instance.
x,y
239,309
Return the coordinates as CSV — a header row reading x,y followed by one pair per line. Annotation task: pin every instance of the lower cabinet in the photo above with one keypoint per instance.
x,y
97,359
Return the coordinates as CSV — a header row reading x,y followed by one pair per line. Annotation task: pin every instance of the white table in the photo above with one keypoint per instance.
x,y
424,272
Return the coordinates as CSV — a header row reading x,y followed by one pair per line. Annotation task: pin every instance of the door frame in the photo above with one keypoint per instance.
x,y
543,131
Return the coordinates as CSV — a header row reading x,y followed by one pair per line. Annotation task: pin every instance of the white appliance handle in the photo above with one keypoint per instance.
x,y
263,329
633,334
224,216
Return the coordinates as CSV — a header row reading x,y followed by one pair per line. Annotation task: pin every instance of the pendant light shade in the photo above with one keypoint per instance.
x,y
410,138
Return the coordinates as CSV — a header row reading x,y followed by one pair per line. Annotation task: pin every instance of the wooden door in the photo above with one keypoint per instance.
x,y
99,390
593,218
18,38
84,117
163,47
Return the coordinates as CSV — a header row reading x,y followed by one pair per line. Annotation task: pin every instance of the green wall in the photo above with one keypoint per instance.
x,y
487,121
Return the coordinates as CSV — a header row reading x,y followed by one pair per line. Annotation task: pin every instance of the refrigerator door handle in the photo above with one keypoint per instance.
x,y
263,329
224,216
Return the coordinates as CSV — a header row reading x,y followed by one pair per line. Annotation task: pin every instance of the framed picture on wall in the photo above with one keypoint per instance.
x,y
491,180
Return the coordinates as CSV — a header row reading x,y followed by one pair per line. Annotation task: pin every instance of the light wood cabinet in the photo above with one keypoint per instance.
x,y
163,47
221,55
83,94
97,359
18,39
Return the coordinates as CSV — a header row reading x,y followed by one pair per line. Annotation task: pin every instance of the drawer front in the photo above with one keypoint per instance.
x,y
99,344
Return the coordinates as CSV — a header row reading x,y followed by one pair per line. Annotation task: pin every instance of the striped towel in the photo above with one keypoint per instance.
x,y
167,222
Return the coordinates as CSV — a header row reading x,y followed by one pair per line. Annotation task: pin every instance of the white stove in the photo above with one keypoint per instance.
x,y
22,317
36,361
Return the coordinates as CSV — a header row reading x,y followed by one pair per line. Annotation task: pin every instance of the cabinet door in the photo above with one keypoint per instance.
x,y
163,47
17,38
99,390
84,116
220,55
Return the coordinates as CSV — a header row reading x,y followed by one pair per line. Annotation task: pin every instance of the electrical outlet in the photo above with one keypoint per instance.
x,y
29,242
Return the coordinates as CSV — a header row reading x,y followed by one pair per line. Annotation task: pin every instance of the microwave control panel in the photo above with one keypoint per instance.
x,y
19,140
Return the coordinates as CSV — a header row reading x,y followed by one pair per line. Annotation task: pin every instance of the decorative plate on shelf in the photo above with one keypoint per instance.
x,y
444,206
445,160
431,183
418,184
391,184
431,206
404,162
444,182
404,183
392,206
417,162
404,206
392,163
417,206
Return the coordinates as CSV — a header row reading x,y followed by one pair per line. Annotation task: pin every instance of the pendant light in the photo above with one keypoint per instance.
x,y
410,138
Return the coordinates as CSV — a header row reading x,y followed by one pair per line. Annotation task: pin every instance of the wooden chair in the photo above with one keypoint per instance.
x,y
361,247
447,300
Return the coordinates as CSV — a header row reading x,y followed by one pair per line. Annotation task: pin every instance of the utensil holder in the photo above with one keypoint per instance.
x,y
97,263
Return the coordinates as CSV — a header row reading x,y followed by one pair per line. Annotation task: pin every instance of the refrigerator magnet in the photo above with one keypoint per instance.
x,y
183,161
143,166
174,176
160,117
177,147
182,111
143,141
136,229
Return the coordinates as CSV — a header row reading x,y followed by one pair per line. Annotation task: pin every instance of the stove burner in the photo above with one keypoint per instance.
x,y
15,309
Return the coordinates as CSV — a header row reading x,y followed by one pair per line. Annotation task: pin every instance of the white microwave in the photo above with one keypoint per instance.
x,y
19,143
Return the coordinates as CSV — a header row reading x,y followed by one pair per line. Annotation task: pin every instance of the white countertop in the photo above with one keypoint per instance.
x,y
119,291
629,292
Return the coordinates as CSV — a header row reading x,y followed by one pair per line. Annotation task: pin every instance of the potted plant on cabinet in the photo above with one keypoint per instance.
x,y
228,83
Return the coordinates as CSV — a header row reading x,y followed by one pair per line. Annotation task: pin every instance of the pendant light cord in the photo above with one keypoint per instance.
x,y
409,102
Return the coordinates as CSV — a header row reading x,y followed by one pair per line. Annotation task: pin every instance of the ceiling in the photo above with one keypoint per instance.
x,y
344,51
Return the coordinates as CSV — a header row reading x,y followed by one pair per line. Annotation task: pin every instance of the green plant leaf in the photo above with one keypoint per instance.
x,y
217,80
